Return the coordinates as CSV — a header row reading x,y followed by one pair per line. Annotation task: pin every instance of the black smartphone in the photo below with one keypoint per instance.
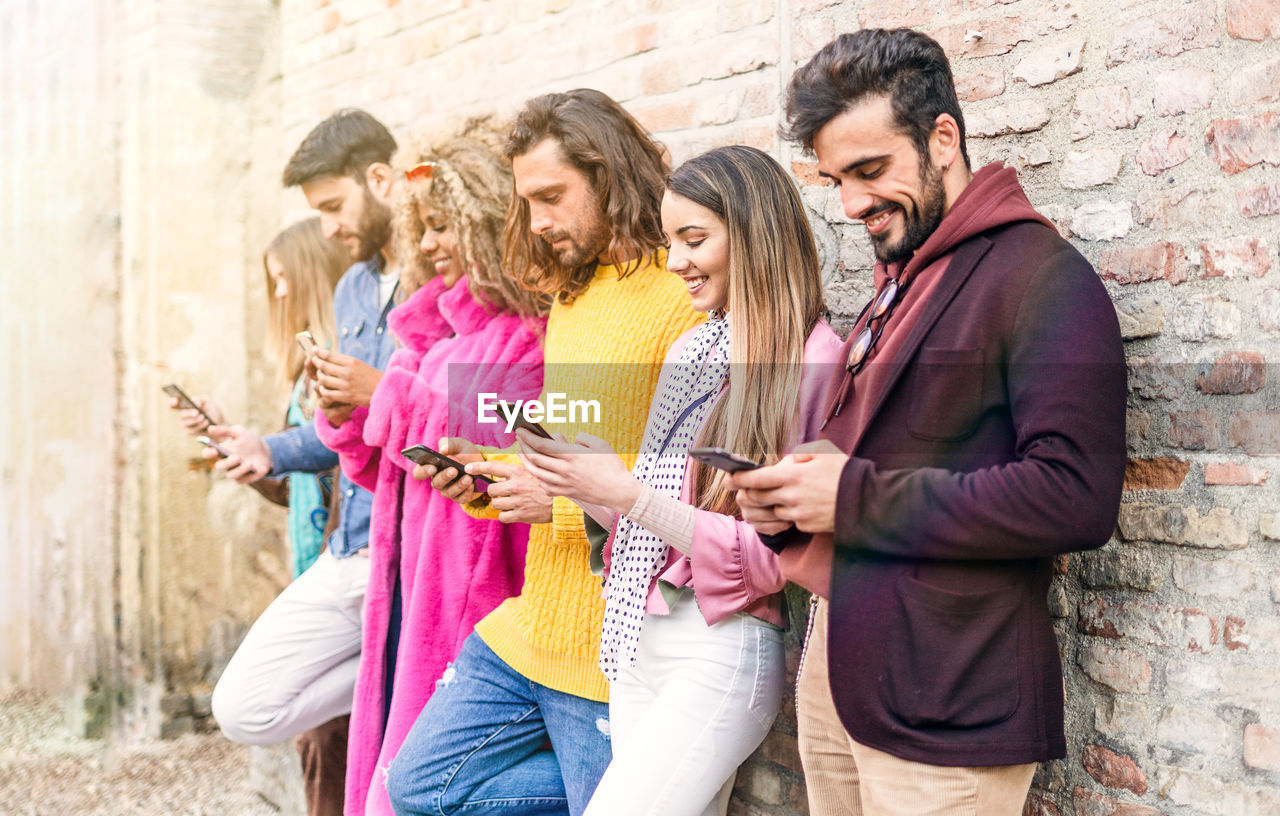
x,y
517,420
422,455
723,459
184,401
204,440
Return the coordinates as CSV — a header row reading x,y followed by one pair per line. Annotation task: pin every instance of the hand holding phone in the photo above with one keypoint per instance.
x,y
209,443
723,459
422,455
185,401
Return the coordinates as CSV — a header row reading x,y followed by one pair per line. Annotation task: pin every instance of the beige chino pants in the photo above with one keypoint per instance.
x,y
846,778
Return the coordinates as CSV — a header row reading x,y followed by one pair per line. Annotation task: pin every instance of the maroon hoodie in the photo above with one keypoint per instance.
x,y
992,199
986,436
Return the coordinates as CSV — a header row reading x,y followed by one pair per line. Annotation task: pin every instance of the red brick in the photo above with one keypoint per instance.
x,y
979,85
332,19
1164,473
636,40
1229,473
1165,34
1241,255
1236,372
1193,430
997,36
1164,626
1179,208
1050,63
1255,20
1258,201
668,116
809,35
1037,805
1089,803
1114,770
1233,634
1258,432
1238,144
1136,428
807,174
1125,671
902,13
1262,747
1107,106
1164,261
1182,91
660,78
1165,149
1255,84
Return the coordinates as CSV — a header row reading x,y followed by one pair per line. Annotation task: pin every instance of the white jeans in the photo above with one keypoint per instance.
x,y
698,701
296,668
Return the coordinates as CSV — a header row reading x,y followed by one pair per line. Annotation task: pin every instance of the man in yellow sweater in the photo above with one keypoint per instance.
x,y
583,227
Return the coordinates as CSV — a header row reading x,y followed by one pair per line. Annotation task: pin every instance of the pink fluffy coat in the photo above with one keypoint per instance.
x,y
453,569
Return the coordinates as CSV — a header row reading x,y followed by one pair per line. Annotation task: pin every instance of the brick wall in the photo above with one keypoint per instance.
x,y
1148,131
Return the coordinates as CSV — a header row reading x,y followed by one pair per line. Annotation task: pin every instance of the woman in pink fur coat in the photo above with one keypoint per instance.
x,y
468,330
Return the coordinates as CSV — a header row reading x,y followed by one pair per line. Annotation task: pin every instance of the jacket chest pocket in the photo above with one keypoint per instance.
x,y
946,394
351,335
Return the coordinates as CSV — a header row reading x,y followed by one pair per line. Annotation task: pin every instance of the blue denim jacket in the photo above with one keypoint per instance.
x,y
363,334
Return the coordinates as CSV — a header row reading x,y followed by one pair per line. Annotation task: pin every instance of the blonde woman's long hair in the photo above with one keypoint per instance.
x,y
470,186
775,300
312,266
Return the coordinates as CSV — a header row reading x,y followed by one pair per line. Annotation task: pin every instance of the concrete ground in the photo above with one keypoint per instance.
x,y
45,771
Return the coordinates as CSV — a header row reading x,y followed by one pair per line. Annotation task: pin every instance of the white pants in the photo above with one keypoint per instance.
x,y
698,701
296,668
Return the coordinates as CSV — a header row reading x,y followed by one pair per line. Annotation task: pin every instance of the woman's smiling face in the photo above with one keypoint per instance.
x,y
698,251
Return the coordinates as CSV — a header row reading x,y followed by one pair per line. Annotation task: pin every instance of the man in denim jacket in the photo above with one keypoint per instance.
x,y
296,667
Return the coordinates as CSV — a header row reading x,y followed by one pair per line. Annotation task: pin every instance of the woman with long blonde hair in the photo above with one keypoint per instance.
x,y
692,634
467,329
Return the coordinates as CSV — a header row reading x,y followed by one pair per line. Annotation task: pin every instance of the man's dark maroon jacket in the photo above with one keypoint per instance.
x,y
996,443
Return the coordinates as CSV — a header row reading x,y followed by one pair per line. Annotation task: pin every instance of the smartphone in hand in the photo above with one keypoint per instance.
x,y
422,455
307,342
723,459
185,401
209,443
517,420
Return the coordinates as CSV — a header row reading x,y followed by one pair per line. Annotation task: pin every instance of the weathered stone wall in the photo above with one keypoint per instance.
x,y
1149,131
133,216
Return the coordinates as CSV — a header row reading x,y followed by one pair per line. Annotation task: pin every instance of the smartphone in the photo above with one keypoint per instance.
x,y
185,401
422,455
206,441
307,342
723,459
518,421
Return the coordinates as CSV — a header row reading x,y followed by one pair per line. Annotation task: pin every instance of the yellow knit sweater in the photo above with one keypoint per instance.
x,y
608,345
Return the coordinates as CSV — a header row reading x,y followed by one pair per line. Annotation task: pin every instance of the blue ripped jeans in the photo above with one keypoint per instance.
x,y
478,745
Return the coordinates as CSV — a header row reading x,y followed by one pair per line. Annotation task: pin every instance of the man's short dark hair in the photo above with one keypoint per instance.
x,y
907,67
345,144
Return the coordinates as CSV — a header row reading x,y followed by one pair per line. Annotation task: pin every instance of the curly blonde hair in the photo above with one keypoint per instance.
x,y
470,187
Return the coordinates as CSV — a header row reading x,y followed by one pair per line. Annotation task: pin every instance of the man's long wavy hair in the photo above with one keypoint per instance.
x,y
470,187
625,168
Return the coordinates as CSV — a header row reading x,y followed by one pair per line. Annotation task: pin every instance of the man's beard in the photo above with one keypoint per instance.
x,y
579,252
917,224
374,227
